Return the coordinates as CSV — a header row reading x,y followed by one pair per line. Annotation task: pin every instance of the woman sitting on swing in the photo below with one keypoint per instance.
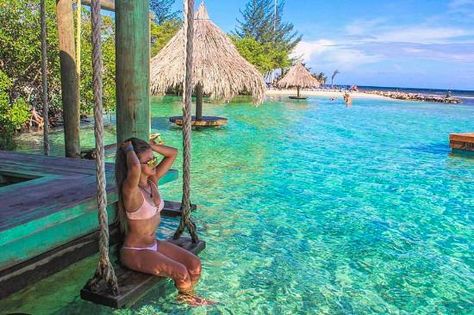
x,y
137,173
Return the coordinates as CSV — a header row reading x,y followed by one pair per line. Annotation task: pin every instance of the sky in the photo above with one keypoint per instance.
x,y
404,43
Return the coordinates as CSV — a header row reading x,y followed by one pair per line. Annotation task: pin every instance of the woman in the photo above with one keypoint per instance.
x,y
137,173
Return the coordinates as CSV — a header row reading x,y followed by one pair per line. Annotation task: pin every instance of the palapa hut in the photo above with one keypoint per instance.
x,y
218,69
298,76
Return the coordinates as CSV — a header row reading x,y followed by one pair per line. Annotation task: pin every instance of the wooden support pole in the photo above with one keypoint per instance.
x,y
298,91
199,96
132,69
69,81
108,5
78,39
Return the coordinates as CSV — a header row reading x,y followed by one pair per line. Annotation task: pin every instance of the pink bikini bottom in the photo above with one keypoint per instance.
x,y
153,247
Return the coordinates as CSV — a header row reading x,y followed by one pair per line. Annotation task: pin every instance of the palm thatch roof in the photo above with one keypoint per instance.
x,y
217,65
298,76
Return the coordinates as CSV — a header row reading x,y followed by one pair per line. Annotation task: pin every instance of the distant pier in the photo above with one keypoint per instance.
x,y
416,97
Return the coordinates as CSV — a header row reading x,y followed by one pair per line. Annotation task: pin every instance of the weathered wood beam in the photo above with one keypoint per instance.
x,y
108,5
199,95
132,69
69,79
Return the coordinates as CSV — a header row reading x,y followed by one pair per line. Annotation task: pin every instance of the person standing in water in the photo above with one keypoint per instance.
x,y
137,173
347,99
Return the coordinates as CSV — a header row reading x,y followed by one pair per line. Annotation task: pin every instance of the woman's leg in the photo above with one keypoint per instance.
x,y
157,264
191,261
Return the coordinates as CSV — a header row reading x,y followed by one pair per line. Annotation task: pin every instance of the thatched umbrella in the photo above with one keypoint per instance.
x,y
218,68
298,76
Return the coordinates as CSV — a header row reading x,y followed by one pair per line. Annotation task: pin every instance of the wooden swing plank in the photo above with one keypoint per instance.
x,y
173,209
132,284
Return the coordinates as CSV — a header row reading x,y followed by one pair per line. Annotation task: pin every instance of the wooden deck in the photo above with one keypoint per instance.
x,y
47,202
462,142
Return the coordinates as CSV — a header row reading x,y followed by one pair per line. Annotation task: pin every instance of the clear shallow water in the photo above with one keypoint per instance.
x,y
313,207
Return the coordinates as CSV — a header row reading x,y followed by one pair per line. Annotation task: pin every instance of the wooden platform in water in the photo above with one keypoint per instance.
x,y
297,97
462,141
132,284
46,203
206,121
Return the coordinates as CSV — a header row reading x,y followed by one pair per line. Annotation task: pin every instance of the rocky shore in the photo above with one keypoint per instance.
x,y
416,97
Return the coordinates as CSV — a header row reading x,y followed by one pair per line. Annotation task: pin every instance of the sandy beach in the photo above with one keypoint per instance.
x,y
322,93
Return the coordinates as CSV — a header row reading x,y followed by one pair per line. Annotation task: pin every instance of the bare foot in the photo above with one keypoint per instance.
x,y
194,300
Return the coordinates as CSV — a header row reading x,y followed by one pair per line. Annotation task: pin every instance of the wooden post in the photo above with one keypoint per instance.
x,y
69,82
132,69
108,5
298,92
199,101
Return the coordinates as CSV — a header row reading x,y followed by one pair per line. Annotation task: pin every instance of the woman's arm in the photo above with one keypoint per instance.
x,y
169,155
130,184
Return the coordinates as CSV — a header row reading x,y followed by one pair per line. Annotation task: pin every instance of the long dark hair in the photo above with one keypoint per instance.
x,y
121,172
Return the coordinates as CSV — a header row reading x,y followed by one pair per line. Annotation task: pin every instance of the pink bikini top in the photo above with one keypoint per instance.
x,y
146,210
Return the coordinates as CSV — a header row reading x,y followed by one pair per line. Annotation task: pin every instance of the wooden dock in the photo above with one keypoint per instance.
x,y
47,204
462,142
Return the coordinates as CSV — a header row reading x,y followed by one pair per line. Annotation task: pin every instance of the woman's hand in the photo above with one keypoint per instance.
x,y
155,137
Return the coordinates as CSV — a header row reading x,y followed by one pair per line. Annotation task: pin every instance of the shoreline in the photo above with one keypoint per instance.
x,y
323,93
369,94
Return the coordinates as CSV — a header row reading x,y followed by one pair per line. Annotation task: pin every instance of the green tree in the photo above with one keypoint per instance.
x,y
336,72
163,11
256,21
13,114
20,60
20,53
321,77
254,52
263,21
108,58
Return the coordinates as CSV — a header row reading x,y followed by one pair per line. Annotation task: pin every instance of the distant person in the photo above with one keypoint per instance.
x,y
448,94
347,99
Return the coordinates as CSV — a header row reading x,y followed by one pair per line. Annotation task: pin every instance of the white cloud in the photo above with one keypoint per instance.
x,y
332,53
306,50
423,34
363,27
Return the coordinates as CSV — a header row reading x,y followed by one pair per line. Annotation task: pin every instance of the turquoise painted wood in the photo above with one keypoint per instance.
x,y
132,60
54,207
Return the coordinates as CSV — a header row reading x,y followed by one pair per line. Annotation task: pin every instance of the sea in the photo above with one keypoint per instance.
x,y
308,207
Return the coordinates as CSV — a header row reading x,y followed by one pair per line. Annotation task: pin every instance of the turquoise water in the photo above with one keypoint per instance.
x,y
313,207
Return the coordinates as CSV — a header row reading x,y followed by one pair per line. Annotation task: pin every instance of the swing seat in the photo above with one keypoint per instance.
x,y
173,209
132,284
206,121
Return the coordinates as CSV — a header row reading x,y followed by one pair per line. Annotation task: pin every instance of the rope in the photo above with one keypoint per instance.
x,y
187,93
104,270
44,78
